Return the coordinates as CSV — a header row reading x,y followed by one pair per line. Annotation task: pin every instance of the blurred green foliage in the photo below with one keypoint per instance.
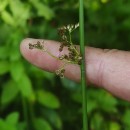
x,y
31,99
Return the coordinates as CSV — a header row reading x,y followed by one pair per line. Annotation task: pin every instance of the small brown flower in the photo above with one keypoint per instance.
x,y
38,45
60,72
73,55
61,57
31,46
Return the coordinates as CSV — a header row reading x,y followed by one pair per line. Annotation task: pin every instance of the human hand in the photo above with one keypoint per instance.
x,y
108,69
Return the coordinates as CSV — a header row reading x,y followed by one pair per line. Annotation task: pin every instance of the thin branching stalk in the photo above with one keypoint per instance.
x,y
73,56
83,71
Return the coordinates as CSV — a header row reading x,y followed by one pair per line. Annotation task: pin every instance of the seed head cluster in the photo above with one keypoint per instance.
x,y
73,56
60,72
38,45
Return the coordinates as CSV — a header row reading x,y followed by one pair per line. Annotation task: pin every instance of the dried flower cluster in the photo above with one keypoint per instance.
x,y
38,45
73,56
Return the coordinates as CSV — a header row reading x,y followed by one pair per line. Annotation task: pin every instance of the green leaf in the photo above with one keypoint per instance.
x,y
69,84
109,103
41,124
4,67
3,4
92,105
16,70
3,52
21,12
42,9
21,126
9,93
5,126
53,118
126,118
47,99
18,10
25,86
13,118
14,53
97,122
8,18
95,5
77,97
114,126
104,100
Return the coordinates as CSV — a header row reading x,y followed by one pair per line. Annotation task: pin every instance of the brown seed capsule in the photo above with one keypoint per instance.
x,y
61,31
31,46
38,45
57,72
66,57
69,49
79,58
64,38
61,48
79,62
62,70
61,76
61,57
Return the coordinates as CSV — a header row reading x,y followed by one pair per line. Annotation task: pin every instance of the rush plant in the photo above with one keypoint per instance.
x,y
73,56
83,64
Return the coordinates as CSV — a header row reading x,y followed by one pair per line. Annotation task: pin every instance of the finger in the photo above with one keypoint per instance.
x,y
46,62
109,68
115,75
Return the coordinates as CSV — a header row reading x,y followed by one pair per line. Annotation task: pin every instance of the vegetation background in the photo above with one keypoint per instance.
x,y
31,99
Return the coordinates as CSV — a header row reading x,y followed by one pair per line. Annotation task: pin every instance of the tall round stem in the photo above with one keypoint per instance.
x,y
83,71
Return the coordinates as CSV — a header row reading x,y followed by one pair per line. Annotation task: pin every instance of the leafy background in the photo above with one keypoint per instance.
x,y
31,99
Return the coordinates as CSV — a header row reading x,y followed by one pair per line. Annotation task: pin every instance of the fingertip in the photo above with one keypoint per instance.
x,y
37,57
24,45
45,61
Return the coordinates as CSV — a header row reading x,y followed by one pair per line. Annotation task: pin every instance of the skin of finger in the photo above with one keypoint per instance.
x,y
109,69
116,73
48,63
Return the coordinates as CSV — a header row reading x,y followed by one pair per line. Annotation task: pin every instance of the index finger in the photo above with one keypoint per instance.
x,y
109,68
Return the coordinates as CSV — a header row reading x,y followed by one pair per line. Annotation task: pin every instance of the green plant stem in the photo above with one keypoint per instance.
x,y
25,112
66,61
83,71
52,55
